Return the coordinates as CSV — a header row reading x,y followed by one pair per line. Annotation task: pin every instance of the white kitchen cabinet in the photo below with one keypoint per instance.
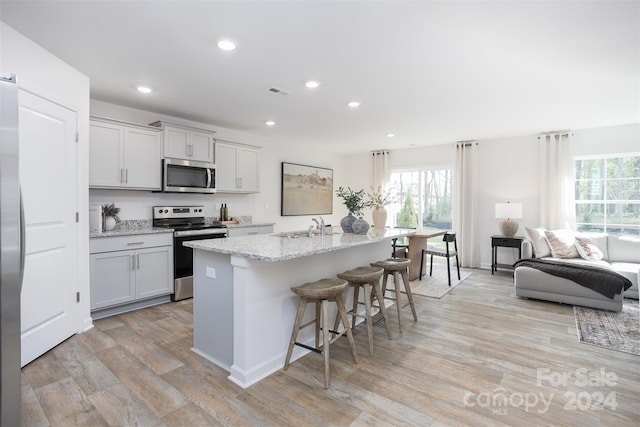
x,y
123,155
130,269
249,231
237,168
181,142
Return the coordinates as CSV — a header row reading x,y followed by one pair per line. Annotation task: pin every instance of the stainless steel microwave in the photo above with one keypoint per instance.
x,y
188,176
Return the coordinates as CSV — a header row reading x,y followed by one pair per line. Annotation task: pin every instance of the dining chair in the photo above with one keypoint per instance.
x,y
397,248
446,252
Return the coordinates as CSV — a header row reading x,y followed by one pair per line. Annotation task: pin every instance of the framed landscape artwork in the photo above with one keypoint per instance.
x,y
306,190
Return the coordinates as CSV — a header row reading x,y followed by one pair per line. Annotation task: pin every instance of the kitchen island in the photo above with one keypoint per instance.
x,y
243,307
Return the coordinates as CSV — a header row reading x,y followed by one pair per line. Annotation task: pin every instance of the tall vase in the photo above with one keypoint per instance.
x,y
379,217
346,222
360,226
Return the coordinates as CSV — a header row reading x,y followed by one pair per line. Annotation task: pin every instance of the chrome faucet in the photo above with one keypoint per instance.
x,y
321,225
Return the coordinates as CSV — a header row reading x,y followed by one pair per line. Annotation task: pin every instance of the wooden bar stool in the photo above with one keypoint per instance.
x,y
397,267
369,279
321,292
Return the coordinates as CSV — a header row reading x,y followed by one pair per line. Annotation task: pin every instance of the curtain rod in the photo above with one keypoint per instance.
x,y
468,143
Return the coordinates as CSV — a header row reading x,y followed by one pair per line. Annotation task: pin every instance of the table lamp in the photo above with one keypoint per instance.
x,y
507,212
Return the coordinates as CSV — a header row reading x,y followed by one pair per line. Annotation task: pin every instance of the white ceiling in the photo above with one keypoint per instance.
x,y
430,72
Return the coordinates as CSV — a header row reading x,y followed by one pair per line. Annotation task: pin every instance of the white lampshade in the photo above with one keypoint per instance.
x,y
506,212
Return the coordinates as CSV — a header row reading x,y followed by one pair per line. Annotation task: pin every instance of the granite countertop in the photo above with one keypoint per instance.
x,y
133,227
272,248
129,232
252,224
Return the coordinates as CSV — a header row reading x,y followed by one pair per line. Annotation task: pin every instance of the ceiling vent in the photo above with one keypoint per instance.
x,y
279,91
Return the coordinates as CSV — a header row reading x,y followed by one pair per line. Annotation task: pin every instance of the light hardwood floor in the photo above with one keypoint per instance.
x,y
471,351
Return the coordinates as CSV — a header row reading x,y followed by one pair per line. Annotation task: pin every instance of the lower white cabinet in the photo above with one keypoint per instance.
x,y
248,231
128,269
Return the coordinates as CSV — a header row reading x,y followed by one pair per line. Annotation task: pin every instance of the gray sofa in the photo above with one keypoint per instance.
x,y
619,253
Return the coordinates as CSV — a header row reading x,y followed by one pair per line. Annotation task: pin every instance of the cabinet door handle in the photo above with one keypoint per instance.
x,y
126,176
121,176
133,262
240,182
138,261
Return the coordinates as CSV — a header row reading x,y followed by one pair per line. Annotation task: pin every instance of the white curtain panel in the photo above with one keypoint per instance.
x,y
465,203
379,169
557,195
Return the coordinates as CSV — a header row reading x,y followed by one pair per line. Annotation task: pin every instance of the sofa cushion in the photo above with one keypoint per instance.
x,y
562,243
624,249
588,249
540,246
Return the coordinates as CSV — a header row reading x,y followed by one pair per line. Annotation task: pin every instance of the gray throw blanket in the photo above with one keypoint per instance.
x,y
604,281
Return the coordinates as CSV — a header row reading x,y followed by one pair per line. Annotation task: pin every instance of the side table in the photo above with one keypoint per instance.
x,y
504,242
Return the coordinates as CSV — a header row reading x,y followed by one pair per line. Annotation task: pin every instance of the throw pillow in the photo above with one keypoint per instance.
x,y
562,243
540,245
588,249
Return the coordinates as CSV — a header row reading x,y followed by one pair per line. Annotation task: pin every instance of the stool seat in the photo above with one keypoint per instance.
x,y
393,264
397,267
321,289
369,278
321,292
364,274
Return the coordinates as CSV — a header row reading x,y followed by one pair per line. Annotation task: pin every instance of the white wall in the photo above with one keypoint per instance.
x,y
40,72
263,207
508,170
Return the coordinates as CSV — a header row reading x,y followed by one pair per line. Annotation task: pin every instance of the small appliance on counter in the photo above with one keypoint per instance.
x,y
95,218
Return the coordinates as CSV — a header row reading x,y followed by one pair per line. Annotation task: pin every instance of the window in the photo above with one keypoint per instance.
x,y
421,197
608,194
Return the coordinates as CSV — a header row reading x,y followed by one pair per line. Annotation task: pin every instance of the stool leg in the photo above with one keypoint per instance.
x,y
367,304
431,268
378,293
302,305
396,282
356,295
325,341
407,289
342,313
318,304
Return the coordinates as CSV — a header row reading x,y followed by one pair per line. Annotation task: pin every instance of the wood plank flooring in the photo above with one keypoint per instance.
x,y
478,356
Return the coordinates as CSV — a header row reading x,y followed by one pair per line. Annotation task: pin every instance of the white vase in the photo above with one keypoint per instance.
x,y
379,218
109,223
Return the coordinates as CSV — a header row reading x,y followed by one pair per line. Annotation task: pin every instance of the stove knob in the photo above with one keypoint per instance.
x,y
166,211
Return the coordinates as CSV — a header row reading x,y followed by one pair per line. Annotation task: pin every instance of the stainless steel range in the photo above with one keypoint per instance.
x,y
188,223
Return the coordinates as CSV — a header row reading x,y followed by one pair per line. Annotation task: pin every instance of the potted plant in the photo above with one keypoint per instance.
x,y
378,199
110,214
355,203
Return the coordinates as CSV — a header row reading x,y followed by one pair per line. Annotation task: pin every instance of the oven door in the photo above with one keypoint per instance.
x,y
186,176
183,259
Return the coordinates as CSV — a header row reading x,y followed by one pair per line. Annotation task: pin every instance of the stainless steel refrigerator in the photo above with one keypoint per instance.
x,y
11,256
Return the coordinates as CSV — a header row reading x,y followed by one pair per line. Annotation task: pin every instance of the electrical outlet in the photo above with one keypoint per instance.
x,y
211,272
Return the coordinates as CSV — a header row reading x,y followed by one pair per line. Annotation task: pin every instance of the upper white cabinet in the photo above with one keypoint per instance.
x,y
182,142
124,155
237,167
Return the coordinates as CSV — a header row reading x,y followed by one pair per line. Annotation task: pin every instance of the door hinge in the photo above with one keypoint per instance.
x,y
77,137
77,296
77,216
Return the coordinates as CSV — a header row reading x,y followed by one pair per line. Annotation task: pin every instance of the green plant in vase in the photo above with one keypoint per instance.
x,y
378,199
110,214
355,203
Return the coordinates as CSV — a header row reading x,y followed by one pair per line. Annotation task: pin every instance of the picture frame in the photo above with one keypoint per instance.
x,y
306,190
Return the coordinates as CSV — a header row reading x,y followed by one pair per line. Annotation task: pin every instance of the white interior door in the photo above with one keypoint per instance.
x,y
48,174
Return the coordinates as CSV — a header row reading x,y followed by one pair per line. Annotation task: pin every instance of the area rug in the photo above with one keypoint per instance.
x,y
610,329
437,286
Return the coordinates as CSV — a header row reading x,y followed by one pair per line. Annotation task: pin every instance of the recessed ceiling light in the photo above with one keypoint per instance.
x,y
144,89
391,135
354,104
227,44
312,84
270,123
